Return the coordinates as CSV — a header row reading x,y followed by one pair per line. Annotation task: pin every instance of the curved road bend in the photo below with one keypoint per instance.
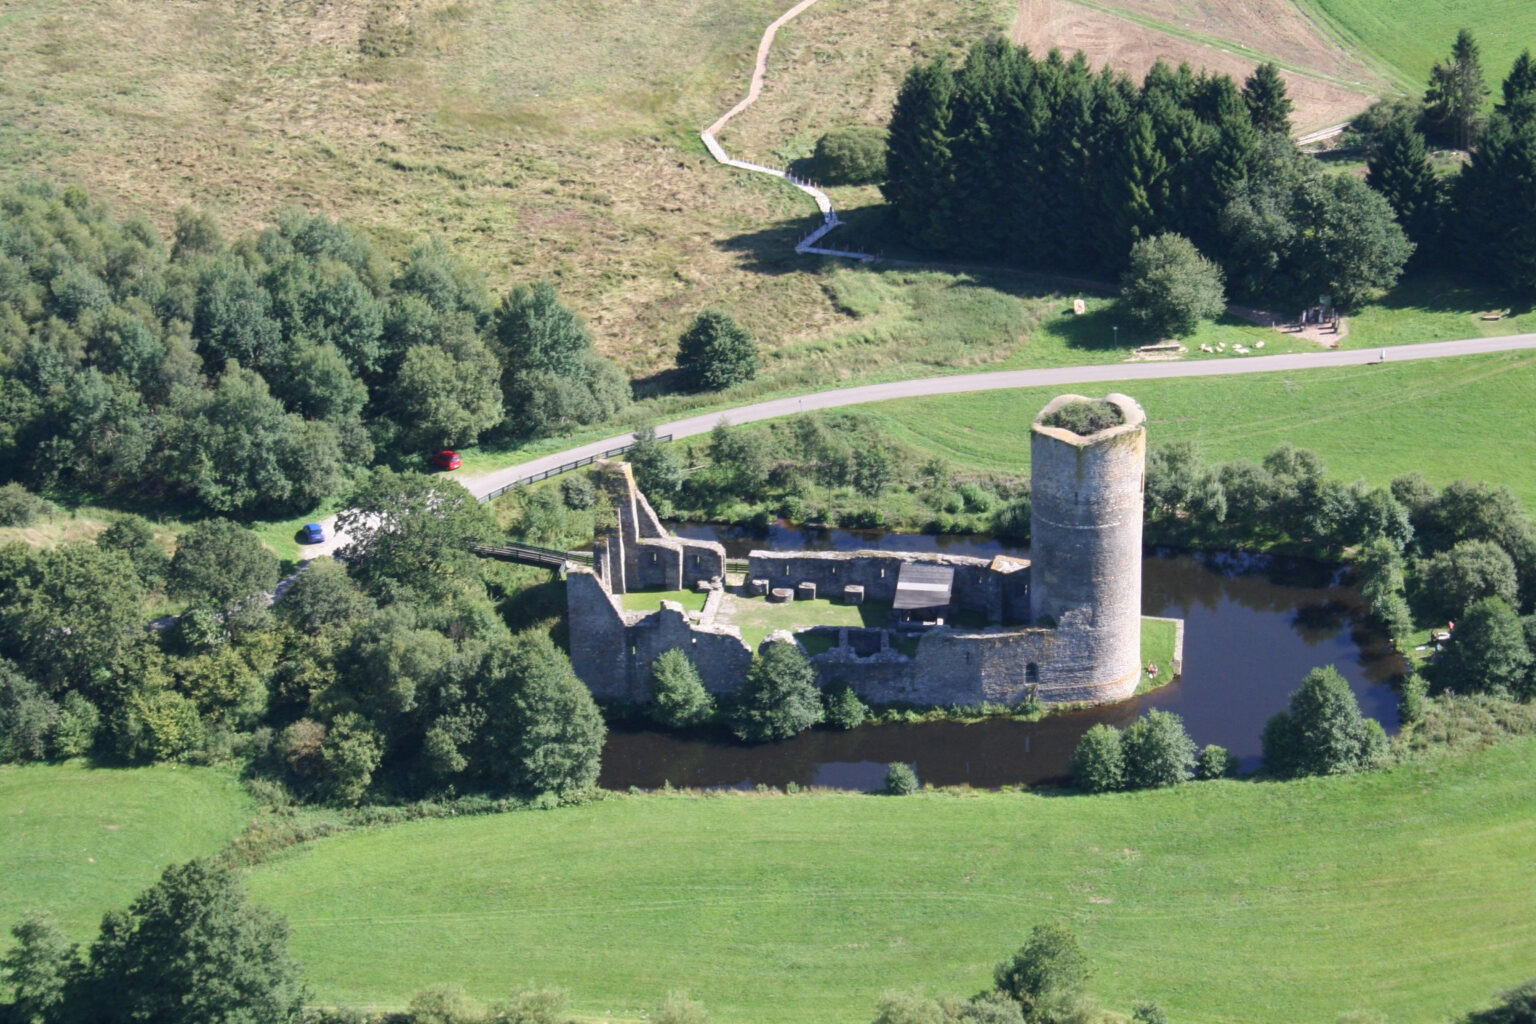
x,y
1061,376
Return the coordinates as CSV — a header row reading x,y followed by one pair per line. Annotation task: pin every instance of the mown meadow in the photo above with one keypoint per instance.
x,y
1402,893
1471,417
76,841
1408,36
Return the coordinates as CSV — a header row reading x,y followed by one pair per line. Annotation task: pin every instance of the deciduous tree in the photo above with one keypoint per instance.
x,y
779,697
189,950
678,697
1323,732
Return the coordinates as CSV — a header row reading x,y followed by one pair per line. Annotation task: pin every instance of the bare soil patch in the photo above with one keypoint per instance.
x,y
1260,29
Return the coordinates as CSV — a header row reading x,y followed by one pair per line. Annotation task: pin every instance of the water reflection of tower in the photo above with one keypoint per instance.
x,y
1085,543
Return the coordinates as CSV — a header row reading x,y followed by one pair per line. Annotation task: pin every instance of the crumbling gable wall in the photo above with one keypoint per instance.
x,y
637,552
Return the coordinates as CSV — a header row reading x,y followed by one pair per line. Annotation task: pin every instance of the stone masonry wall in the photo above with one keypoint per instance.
x,y
960,667
638,553
1085,540
1001,596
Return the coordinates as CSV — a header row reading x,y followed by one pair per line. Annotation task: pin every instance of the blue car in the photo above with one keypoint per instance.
x,y
313,533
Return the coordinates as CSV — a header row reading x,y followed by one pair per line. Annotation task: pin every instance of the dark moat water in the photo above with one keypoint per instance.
x,y
1254,626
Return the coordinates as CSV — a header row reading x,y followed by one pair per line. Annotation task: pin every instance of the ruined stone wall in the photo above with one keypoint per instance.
x,y
1085,543
957,667
718,652
599,644
1001,596
638,553
1082,592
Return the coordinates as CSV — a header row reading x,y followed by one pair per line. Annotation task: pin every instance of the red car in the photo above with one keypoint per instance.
x,y
447,460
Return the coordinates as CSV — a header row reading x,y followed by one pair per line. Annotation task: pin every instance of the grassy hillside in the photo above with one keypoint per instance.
x,y
1405,892
76,841
1470,417
578,162
1408,36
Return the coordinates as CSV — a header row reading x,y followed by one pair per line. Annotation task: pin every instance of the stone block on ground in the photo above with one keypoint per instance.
x,y
805,591
758,587
853,594
781,594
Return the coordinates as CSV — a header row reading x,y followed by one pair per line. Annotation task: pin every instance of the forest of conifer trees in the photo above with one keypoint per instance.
x,y
1048,164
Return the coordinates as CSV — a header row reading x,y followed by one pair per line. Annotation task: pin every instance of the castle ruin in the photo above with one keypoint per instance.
x,y
1061,627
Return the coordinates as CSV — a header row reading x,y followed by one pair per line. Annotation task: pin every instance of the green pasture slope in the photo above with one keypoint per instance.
x,y
1410,35
1471,417
77,841
1406,892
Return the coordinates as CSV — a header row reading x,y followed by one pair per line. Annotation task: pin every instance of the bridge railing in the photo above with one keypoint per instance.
x,y
566,468
531,554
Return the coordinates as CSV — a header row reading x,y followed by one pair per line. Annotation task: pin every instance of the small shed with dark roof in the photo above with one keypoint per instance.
x,y
923,592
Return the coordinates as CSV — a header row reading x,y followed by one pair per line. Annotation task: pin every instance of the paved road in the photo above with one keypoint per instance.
x,y
1061,376
1054,377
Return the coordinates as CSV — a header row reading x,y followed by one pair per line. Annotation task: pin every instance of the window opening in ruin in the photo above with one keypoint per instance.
x,y
1031,673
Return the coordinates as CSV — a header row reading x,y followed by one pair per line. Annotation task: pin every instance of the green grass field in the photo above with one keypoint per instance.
x,y
1405,892
758,617
1408,36
650,600
1471,417
1158,640
76,841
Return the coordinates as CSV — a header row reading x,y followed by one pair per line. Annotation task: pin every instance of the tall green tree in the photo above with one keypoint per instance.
x,y
1049,966
779,697
1517,1006
1398,167
1323,732
222,564
38,969
1495,194
543,719
412,530
1098,762
76,620
678,697
536,331
447,394
1519,90
658,471
189,950
920,172
716,352
1488,652
1268,103
1453,103
1451,581
1158,751
1170,287
238,450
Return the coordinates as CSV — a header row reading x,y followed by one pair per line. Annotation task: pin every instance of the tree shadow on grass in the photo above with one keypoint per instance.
x,y
1440,292
1103,329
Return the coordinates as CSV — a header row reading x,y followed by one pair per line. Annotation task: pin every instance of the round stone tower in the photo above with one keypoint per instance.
x,y
1085,546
